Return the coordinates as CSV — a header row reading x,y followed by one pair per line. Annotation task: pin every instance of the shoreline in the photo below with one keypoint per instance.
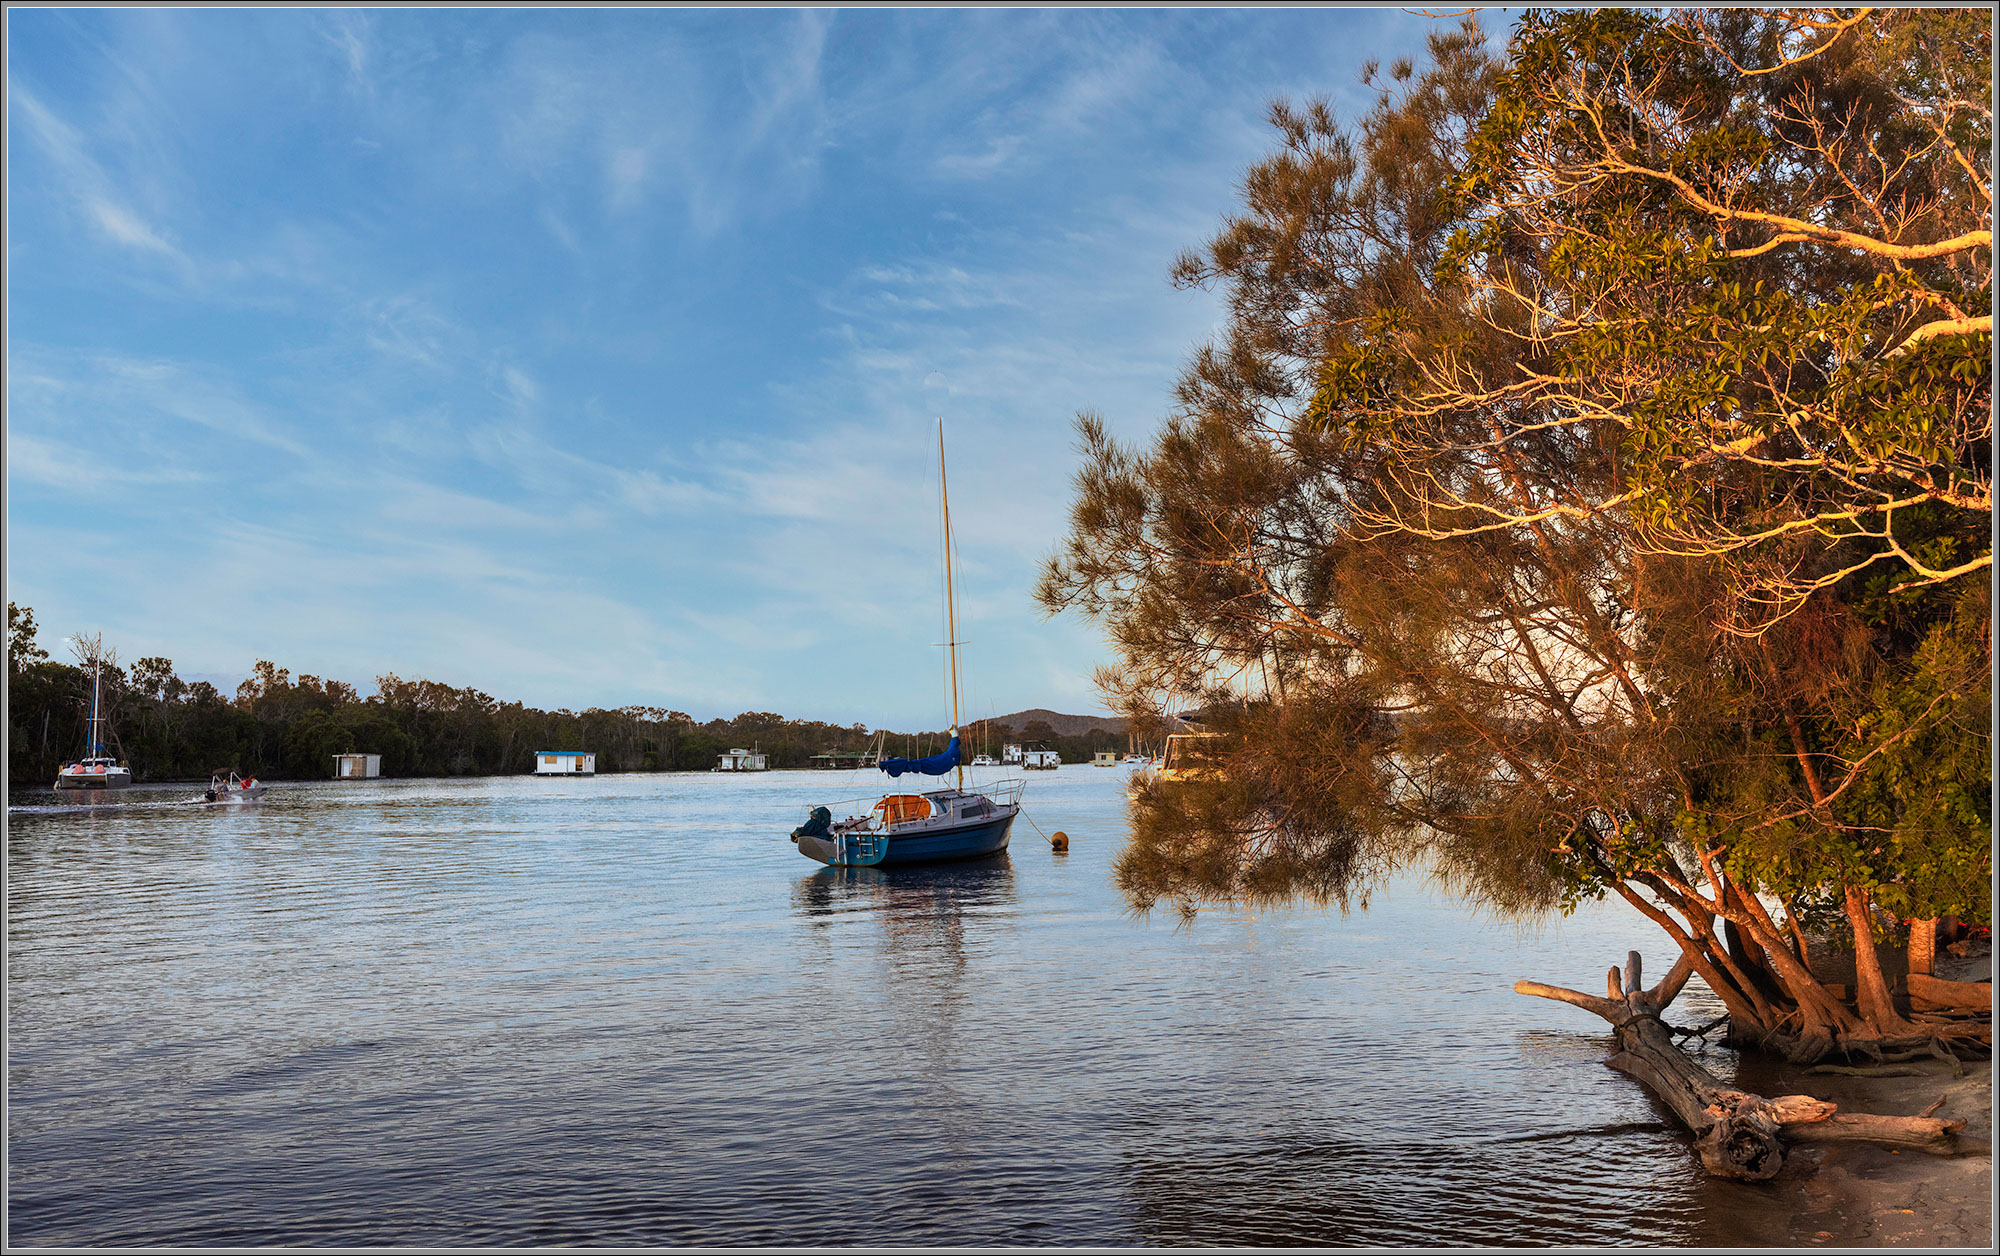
x,y
1861,1195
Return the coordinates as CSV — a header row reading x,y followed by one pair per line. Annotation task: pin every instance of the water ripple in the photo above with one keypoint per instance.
x,y
624,1011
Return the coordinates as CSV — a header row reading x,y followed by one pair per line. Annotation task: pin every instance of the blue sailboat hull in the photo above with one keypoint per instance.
x,y
931,845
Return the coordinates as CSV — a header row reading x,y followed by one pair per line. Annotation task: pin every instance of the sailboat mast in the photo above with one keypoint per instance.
x,y
96,671
950,610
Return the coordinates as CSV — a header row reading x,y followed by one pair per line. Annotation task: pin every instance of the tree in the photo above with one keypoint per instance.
x,y
22,652
1753,247
1554,513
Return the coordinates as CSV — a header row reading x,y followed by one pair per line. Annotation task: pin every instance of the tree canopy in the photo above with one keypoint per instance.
x,y
1590,493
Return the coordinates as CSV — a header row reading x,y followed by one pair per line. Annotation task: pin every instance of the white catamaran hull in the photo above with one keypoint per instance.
x,y
88,776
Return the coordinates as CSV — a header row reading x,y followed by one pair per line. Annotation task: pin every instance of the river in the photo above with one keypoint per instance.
x,y
623,1010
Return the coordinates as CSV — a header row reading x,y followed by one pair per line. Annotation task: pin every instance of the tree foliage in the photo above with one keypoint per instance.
x,y
1590,493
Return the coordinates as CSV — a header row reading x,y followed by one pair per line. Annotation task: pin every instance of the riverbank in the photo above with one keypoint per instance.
x,y
1856,1195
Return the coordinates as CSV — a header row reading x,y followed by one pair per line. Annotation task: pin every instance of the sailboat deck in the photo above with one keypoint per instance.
x,y
941,807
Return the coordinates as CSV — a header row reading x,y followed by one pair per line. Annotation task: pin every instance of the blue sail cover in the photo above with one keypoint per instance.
x,y
935,765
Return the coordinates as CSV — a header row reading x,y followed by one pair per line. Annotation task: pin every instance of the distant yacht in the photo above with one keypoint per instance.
x,y
95,770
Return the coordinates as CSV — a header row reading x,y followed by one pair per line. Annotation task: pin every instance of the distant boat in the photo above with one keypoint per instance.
x,y
929,827
1039,759
233,788
985,761
1190,755
1104,759
95,770
1136,761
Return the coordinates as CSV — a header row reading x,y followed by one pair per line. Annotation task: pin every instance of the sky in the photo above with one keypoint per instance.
x,y
595,357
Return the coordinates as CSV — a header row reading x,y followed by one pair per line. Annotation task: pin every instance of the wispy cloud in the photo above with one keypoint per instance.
x,y
120,398
79,465
593,356
347,31
92,190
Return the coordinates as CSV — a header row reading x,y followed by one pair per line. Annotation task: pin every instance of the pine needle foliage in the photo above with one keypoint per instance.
x,y
1589,494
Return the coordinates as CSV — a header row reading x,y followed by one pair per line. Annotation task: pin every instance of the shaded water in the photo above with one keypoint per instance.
x,y
623,1010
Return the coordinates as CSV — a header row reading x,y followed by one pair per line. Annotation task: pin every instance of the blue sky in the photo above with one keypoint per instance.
x,y
594,357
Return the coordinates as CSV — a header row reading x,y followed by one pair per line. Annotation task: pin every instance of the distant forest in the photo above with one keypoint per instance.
x,y
280,727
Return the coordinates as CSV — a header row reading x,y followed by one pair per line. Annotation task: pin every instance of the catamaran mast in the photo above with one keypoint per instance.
x,y
96,747
950,612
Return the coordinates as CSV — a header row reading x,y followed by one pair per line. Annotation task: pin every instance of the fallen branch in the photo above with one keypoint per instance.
x,y
1737,1134
1931,994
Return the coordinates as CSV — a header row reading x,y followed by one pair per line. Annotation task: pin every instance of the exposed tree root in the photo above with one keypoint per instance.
x,y
1737,1134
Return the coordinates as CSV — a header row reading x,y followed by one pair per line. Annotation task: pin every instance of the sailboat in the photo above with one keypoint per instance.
x,y
95,770
920,827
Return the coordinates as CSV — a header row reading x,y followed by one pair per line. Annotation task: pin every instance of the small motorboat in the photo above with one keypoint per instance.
x,y
233,788
985,761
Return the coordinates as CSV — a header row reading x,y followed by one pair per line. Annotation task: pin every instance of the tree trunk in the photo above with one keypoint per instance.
x,y
1871,989
1737,1134
1923,946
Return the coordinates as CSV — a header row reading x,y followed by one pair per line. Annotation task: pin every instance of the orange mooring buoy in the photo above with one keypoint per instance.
x,y
1059,841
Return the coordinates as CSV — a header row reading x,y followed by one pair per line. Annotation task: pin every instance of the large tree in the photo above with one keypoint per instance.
x,y
1589,494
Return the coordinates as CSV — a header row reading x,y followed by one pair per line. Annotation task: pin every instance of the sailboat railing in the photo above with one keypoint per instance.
x,y
1005,793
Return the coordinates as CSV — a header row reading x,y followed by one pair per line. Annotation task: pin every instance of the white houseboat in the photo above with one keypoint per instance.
x,y
356,766
744,761
565,763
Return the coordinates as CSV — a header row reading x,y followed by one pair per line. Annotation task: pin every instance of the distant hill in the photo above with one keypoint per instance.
x,y
1064,725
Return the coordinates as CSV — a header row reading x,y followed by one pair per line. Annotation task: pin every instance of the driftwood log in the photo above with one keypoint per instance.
x,y
1932,994
1737,1134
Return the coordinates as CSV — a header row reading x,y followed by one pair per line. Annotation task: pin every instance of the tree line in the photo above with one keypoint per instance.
x,y
1590,494
278,726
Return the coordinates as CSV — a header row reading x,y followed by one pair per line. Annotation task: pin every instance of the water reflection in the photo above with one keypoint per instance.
x,y
901,895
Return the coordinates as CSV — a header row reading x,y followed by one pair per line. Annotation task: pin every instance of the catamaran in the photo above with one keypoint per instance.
x,y
923,827
95,770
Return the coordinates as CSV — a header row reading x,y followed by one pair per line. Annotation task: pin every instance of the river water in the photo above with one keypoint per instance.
x,y
623,1010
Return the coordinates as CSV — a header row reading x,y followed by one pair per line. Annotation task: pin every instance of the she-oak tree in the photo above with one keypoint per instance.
x,y
1591,493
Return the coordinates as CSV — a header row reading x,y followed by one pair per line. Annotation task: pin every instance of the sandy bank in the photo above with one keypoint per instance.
x,y
1854,1195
